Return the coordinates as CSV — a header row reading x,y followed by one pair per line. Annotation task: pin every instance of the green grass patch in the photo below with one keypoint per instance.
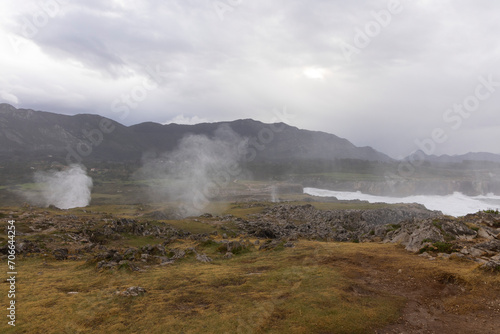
x,y
315,287
345,206
338,176
394,227
440,247
243,210
193,226
136,241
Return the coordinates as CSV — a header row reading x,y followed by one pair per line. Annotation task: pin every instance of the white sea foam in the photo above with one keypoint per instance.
x,y
456,204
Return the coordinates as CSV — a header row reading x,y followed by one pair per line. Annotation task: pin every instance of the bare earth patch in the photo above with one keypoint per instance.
x,y
438,298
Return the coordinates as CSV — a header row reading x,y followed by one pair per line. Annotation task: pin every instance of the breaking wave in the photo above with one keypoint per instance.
x,y
456,204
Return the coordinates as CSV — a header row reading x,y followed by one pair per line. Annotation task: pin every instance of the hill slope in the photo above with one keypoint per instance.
x,y
29,134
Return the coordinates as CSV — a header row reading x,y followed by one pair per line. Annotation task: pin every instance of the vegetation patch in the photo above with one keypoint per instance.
x,y
393,227
437,223
440,247
473,227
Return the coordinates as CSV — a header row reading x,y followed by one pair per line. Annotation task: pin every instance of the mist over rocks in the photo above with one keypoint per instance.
x,y
197,170
65,189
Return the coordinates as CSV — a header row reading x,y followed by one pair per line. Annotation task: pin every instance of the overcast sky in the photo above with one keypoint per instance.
x,y
378,73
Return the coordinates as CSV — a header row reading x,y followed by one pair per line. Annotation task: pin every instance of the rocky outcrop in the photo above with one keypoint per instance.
x,y
305,221
133,291
141,229
61,254
203,258
474,237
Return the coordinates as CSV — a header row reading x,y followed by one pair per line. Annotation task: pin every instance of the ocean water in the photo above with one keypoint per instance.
x,y
456,204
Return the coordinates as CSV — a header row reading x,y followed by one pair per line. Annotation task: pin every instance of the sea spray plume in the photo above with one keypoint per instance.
x,y
198,170
274,194
65,189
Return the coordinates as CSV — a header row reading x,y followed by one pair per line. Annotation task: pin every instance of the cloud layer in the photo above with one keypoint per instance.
x,y
221,60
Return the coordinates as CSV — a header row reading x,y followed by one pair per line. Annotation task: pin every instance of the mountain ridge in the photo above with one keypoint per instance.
x,y
37,134
459,158
27,133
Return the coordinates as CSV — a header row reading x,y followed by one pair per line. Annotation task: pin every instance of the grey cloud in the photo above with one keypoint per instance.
x,y
391,93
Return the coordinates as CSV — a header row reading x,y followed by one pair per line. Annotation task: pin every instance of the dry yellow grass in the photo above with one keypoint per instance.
x,y
316,287
313,288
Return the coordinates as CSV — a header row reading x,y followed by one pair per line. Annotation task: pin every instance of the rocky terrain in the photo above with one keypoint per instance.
x,y
97,239
474,237
258,267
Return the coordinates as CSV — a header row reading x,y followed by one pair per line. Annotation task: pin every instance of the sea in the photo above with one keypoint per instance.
x,y
456,204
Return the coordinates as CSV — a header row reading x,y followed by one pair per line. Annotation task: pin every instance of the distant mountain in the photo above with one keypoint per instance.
x,y
472,156
285,143
28,134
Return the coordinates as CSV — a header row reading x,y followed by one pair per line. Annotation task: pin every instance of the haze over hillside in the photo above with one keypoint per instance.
x,y
28,134
269,151
37,134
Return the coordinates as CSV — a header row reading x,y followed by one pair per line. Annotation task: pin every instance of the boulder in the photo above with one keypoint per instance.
x,y
474,252
492,245
176,254
495,258
414,234
234,246
130,254
106,264
26,246
133,291
60,254
482,233
203,258
265,233
491,266
458,230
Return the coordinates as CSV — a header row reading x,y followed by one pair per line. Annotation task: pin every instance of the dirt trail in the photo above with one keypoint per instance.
x,y
425,311
428,297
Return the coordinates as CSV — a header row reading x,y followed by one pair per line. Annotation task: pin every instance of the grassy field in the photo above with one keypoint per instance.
x,y
312,288
336,176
